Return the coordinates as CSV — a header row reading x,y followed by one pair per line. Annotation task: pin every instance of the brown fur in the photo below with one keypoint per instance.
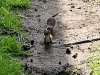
x,y
51,22
49,29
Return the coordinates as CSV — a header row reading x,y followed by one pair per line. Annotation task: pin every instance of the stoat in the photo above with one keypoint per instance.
x,y
49,29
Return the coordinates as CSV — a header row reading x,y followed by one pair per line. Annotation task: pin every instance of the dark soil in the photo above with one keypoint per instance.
x,y
77,22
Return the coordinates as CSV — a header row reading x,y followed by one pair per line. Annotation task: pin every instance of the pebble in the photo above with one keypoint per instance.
x,y
70,10
79,8
31,60
32,42
72,6
68,51
59,63
75,55
35,9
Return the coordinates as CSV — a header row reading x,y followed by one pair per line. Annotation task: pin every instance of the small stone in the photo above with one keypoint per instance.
x,y
39,53
79,8
59,42
76,34
70,10
89,48
83,25
31,60
35,9
72,6
87,37
71,47
41,43
68,51
32,42
75,55
59,63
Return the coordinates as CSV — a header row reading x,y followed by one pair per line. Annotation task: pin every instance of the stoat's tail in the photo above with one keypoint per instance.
x,y
55,14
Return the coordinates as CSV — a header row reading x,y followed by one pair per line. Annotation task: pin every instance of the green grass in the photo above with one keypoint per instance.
x,y
14,3
10,48
94,60
9,65
9,20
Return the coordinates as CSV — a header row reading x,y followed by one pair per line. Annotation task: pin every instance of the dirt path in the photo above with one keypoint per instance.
x,y
76,22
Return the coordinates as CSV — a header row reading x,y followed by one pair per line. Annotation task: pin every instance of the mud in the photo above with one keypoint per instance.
x,y
77,21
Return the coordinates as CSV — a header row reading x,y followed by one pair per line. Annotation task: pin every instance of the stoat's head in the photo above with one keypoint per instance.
x,y
50,28
47,32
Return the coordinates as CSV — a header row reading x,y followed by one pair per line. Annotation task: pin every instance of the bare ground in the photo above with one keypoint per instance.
x,y
77,21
